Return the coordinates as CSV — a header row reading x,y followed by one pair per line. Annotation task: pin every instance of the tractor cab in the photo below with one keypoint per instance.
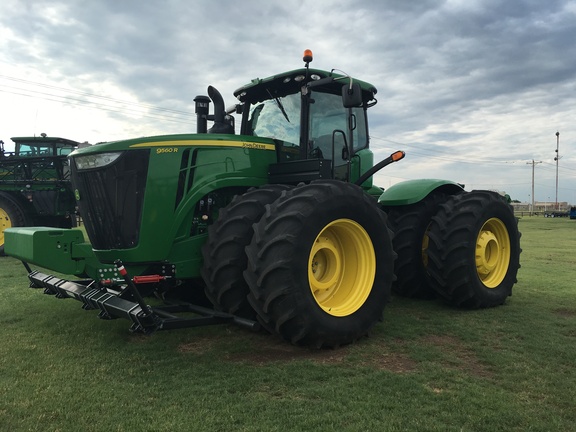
x,y
43,146
317,120
37,159
310,114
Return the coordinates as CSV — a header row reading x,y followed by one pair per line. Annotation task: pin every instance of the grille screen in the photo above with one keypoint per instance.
x,y
111,200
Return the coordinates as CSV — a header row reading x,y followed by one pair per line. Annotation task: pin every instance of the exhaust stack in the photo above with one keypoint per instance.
x,y
223,124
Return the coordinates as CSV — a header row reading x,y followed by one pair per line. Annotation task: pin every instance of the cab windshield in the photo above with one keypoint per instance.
x,y
277,118
328,126
33,150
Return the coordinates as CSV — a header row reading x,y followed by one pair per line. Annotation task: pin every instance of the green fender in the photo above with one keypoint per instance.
x,y
412,191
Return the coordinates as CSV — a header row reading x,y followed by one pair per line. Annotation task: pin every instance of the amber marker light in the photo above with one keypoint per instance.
x,y
308,57
396,156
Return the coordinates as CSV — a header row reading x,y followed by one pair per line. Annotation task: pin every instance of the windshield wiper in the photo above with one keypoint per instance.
x,y
279,103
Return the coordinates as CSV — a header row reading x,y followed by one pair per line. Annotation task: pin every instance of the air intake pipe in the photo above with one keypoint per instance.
x,y
221,123
202,109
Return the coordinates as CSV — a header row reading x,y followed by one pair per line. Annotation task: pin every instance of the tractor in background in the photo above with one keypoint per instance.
x,y
35,184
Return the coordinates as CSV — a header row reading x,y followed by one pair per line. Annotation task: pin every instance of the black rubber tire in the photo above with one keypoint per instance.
x,y
56,221
67,221
13,215
224,252
281,258
465,223
410,224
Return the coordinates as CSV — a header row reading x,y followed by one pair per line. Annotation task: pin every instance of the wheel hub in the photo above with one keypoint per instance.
x,y
493,249
487,252
325,263
341,267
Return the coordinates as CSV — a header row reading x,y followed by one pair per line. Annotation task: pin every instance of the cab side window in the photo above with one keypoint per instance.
x,y
329,131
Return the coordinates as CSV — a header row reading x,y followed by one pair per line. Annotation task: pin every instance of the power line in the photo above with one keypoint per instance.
x,y
116,105
92,95
451,159
92,105
466,161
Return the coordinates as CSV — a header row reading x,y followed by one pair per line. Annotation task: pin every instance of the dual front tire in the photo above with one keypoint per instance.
x,y
319,265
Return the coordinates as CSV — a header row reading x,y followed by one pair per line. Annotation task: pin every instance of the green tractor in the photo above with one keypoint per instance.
x,y
35,184
279,226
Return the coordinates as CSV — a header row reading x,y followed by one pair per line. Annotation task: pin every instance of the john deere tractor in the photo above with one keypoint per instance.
x,y
35,184
279,226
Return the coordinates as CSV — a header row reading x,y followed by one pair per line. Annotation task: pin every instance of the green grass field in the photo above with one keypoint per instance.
x,y
426,367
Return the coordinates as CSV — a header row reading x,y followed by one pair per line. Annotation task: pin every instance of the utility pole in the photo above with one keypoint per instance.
x,y
533,163
557,158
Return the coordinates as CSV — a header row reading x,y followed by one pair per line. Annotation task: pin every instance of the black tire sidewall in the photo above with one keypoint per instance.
x,y
498,210
225,287
410,224
452,249
355,207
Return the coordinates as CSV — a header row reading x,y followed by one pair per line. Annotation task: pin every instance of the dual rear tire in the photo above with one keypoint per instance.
x,y
411,224
464,248
474,250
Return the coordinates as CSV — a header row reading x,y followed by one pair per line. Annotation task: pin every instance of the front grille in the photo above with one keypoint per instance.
x,y
111,200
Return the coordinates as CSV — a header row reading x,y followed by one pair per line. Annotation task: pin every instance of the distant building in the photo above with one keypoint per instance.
x,y
541,207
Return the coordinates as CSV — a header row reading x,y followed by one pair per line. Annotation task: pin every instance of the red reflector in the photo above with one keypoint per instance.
x,y
148,279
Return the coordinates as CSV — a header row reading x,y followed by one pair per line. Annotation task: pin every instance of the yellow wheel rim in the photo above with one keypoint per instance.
x,y
5,222
492,253
341,267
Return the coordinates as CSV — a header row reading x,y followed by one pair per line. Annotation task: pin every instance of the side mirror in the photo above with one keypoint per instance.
x,y
351,95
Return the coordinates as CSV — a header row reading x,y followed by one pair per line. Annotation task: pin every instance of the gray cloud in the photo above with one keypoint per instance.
x,y
475,79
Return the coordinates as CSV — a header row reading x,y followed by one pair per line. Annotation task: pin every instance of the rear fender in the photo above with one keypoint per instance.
x,y
413,191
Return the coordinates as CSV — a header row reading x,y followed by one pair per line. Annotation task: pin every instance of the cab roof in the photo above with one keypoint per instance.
x,y
46,140
260,89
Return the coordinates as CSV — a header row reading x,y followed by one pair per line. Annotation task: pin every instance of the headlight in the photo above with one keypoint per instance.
x,y
95,160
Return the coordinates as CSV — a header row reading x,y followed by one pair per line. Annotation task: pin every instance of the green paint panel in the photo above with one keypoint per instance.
x,y
412,191
182,170
52,248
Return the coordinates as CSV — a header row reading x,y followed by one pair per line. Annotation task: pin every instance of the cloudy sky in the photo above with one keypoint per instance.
x,y
472,90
